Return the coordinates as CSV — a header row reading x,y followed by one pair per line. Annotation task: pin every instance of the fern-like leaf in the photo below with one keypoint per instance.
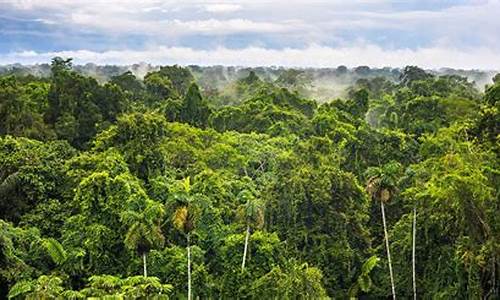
x,y
55,250
20,288
369,264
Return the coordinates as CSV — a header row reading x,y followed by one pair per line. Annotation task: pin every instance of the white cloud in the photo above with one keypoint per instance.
x,y
178,27
222,7
317,21
46,21
322,17
312,56
215,26
371,32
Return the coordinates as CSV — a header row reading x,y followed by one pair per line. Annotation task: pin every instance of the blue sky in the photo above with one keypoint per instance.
x,y
429,33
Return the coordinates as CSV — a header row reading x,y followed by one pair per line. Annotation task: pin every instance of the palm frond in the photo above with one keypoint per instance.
x,y
55,250
365,283
186,184
369,264
72,295
385,195
180,218
129,217
254,212
105,282
133,236
157,238
154,211
20,288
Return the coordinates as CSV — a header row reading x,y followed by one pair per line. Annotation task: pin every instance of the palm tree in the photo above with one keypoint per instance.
x,y
253,214
381,186
144,231
184,218
413,258
409,174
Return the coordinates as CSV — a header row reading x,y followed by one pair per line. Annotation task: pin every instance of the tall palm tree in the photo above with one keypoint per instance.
x,y
144,231
413,258
409,173
184,218
253,215
381,186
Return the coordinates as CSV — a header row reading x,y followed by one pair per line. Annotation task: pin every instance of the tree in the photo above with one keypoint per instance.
x,y
128,82
45,287
195,110
180,77
253,214
381,186
267,251
252,78
459,205
98,286
294,79
341,70
136,287
143,218
413,73
21,108
358,104
138,137
184,218
496,78
294,280
362,70
73,104
160,87
17,245
413,254
492,94
31,173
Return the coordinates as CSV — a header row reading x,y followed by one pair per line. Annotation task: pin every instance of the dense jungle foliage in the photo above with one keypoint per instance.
x,y
155,187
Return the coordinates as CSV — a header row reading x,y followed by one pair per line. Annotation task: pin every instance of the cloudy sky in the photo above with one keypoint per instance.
x,y
429,33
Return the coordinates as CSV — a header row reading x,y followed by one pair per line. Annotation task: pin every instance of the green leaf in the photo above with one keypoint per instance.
x,y
369,264
20,288
365,283
55,250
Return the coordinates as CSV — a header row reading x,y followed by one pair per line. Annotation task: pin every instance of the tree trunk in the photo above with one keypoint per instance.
x,y
388,251
189,267
144,264
246,248
413,252
493,277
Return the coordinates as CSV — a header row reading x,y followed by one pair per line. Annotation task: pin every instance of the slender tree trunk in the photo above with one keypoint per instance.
x,y
189,267
144,264
493,277
246,248
388,251
413,252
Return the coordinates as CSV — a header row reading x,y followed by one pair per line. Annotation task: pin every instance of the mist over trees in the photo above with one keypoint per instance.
x,y
271,183
320,84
